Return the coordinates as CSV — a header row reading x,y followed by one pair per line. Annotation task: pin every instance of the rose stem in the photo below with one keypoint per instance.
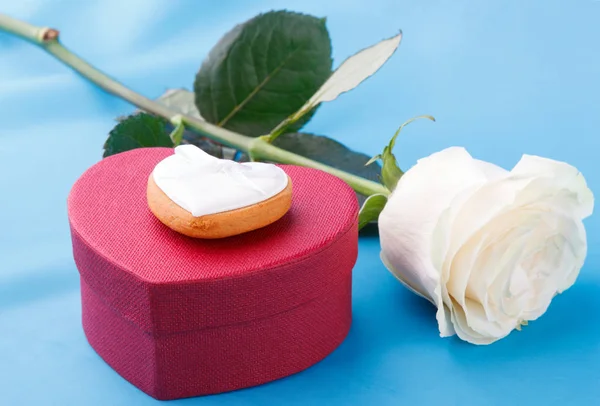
x,y
257,148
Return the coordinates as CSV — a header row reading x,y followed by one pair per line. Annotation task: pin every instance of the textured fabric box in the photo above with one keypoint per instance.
x,y
179,317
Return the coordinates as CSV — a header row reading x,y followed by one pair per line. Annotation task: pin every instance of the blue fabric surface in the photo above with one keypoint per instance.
x,y
502,78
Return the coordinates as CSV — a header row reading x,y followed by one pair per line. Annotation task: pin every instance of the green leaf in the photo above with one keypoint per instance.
x,y
137,131
352,72
374,159
407,122
369,212
180,101
390,171
329,152
177,133
262,71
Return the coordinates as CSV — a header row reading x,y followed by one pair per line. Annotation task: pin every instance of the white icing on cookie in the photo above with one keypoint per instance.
x,y
203,184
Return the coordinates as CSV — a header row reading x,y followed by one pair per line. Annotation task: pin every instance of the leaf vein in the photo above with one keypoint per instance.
x,y
228,70
266,80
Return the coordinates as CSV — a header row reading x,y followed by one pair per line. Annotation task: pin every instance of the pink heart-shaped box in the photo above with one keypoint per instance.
x,y
180,317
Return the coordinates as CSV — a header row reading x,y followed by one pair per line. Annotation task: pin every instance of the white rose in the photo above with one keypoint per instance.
x,y
490,248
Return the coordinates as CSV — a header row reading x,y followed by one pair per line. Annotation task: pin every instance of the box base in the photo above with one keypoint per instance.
x,y
173,366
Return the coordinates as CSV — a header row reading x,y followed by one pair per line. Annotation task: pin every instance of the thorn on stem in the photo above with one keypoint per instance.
x,y
50,34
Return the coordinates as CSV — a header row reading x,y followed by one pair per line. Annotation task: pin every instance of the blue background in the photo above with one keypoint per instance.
x,y
502,78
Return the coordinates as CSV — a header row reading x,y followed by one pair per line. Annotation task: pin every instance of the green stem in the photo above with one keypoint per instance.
x,y
262,149
47,39
280,129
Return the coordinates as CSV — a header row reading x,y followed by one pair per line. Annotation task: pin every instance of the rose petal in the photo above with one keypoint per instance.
x,y
563,175
443,315
465,332
545,194
559,261
578,245
407,220
503,254
461,267
497,238
499,279
492,172
482,206
403,278
478,321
